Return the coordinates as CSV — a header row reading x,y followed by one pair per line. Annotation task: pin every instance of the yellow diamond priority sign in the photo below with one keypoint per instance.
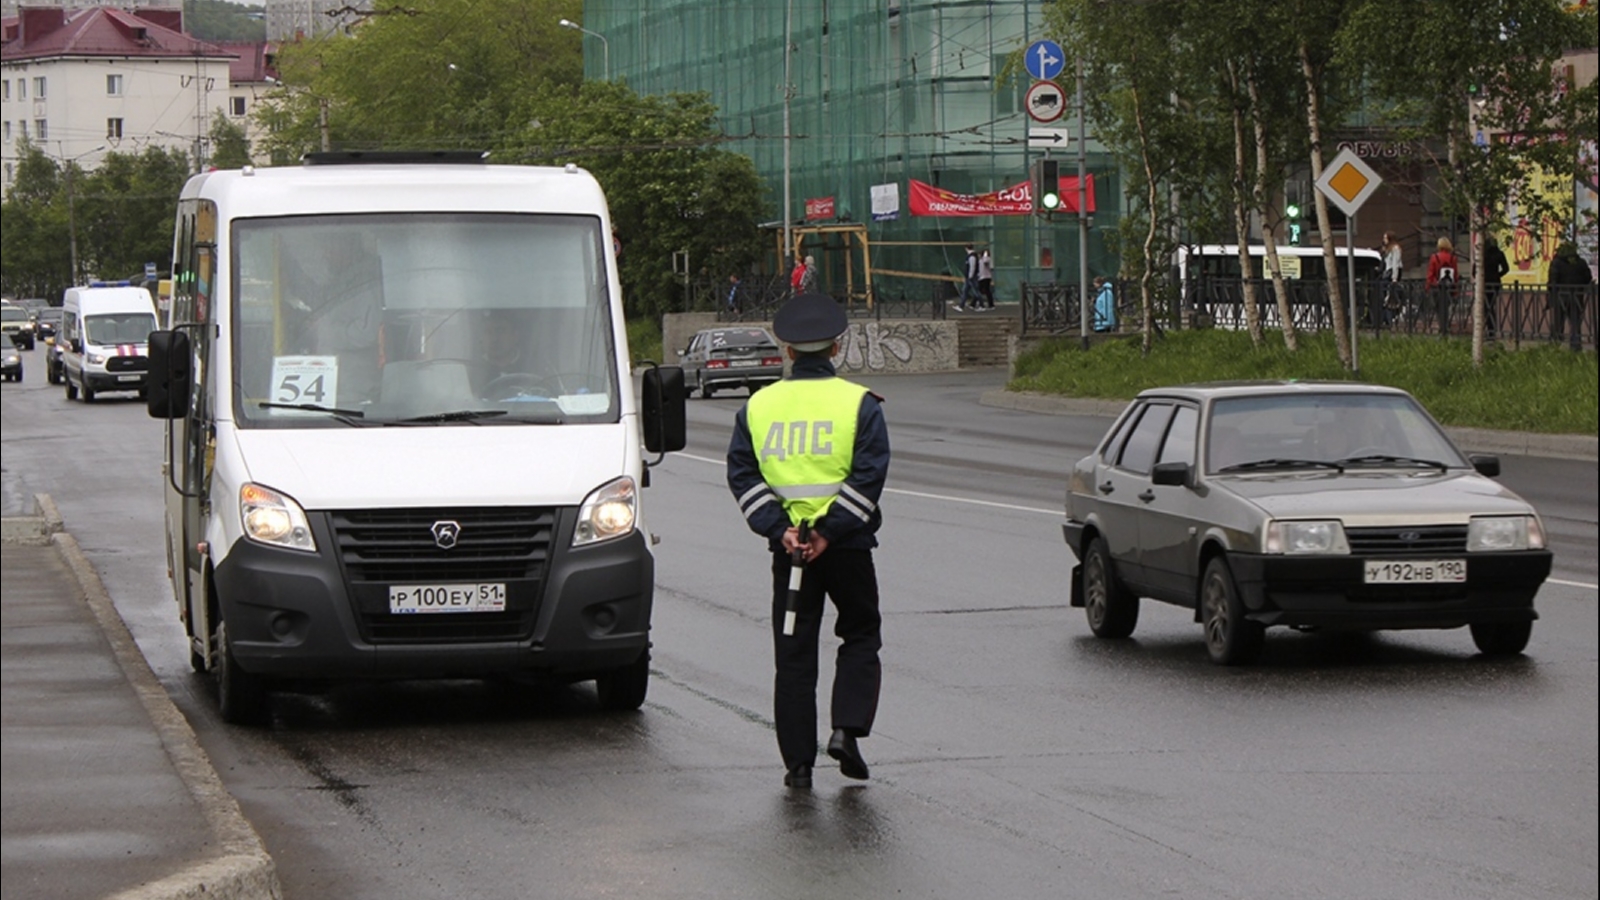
x,y
1348,182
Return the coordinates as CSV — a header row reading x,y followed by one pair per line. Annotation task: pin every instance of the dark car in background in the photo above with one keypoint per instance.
x,y
732,357
1310,505
47,322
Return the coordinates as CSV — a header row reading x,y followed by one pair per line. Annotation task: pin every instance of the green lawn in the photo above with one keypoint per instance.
x,y
1537,388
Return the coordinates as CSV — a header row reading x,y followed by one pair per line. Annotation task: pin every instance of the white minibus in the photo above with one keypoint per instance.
x,y
403,436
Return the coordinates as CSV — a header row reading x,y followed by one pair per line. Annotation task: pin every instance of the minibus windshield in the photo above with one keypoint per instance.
x,y
119,328
448,319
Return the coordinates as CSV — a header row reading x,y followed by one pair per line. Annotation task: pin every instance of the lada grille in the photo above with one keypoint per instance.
x,y
387,547
1407,540
127,363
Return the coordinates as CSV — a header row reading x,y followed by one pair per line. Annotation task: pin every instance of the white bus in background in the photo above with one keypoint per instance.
x,y
1210,276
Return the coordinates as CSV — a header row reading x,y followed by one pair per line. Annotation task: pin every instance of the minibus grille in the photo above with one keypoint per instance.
x,y
127,363
1407,540
509,545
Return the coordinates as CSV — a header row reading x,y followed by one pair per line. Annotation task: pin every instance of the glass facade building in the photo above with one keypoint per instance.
x,y
881,92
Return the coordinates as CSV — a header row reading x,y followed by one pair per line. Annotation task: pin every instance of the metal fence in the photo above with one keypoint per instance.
x,y
758,298
1513,313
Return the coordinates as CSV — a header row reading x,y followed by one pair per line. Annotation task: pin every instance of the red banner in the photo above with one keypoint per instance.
x,y
819,208
1017,200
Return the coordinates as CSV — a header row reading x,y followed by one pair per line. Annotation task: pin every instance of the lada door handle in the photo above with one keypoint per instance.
x,y
1147,495
1106,488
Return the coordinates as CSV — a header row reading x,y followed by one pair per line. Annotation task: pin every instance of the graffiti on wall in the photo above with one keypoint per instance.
x,y
897,346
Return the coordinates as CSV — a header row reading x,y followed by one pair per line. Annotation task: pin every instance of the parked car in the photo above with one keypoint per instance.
x,y
10,363
16,325
1310,505
731,358
47,322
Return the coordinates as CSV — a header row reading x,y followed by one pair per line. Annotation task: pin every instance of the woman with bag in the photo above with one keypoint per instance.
x,y
1444,271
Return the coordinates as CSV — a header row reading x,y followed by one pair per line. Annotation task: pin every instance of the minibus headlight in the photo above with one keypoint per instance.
x,y
93,359
610,511
273,519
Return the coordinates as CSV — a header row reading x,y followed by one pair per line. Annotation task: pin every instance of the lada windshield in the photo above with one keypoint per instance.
x,y
13,314
1324,431
119,328
421,320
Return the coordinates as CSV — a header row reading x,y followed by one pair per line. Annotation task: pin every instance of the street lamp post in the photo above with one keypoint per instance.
x,y
72,216
605,46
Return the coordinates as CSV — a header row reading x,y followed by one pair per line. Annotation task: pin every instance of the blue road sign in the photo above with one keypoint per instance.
x,y
1045,60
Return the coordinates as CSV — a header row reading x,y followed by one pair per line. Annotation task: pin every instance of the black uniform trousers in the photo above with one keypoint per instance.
x,y
849,579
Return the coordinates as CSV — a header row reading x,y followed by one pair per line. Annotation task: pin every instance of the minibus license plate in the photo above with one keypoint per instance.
x,y
127,377
1416,571
446,598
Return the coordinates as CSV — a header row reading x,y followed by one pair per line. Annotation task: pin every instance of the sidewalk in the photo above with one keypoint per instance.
x,y
106,791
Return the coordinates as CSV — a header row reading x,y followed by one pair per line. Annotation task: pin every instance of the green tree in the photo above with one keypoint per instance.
x,y
230,147
669,186
34,238
1479,66
125,211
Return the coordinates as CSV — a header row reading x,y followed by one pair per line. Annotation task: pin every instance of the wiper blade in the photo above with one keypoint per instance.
x,y
1282,463
347,416
1383,459
460,415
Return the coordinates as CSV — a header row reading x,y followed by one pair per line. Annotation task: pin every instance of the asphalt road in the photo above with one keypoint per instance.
x,y
1015,755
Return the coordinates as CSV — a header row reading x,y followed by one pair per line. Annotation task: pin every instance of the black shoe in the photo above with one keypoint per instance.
x,y
798,777
842,746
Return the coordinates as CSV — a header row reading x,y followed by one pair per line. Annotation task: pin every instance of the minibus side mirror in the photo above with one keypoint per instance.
x,y
167,383
663,409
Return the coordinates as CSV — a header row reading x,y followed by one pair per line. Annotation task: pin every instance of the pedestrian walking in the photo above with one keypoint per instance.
x,y
808,277
969,281
813,451
1444,272
1566,287
986,279
1382,309
797,277
1495,268
1105,305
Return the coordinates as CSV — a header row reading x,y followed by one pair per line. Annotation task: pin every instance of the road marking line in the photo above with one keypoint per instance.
x,y
889,490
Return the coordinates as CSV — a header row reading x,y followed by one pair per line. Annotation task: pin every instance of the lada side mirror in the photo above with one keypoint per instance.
x,y
663,410
167,384
1170,473
1487,466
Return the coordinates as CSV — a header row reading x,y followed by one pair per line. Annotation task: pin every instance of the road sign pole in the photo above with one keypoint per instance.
x,y
1350,277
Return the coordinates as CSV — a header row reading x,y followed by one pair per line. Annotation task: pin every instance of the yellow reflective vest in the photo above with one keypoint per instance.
x,y
803,431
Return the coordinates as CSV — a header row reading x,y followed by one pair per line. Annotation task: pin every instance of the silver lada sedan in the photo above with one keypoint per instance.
x,y
1313,505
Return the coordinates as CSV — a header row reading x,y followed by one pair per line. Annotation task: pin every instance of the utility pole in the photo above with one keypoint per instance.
x,y
1083,218
788,95
72,228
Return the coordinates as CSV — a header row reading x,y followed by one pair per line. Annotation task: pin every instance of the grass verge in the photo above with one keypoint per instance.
x,y
1538,388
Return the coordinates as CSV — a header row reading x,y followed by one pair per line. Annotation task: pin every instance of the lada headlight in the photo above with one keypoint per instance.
x,y
272,518
608,512
1487,533
1324,536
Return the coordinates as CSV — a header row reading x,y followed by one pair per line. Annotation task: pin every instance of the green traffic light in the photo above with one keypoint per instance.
x,y
1050,200
1293,210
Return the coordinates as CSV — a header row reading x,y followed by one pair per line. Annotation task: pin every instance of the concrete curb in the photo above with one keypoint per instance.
x,y
242,870
1481,440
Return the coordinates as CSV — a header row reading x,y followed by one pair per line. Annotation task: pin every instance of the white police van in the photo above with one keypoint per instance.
x,y
104,327
403,437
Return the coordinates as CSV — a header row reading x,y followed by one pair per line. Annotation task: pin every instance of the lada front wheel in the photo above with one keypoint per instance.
x,y
1112,609
1231,639
1501,638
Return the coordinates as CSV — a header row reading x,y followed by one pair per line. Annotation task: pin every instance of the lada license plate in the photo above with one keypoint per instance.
x,y
746,362
1415,571
446,598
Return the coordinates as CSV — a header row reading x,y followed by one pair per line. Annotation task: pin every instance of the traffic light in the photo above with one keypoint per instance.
x,y
1292,213
1046,180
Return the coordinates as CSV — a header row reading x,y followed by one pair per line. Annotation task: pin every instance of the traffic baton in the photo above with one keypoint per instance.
x,y
797,570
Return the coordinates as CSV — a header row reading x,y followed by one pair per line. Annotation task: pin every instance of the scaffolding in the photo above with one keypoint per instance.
x,y
881,92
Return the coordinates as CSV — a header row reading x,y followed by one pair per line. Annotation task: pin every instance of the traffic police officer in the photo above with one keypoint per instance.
x,y
814,448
